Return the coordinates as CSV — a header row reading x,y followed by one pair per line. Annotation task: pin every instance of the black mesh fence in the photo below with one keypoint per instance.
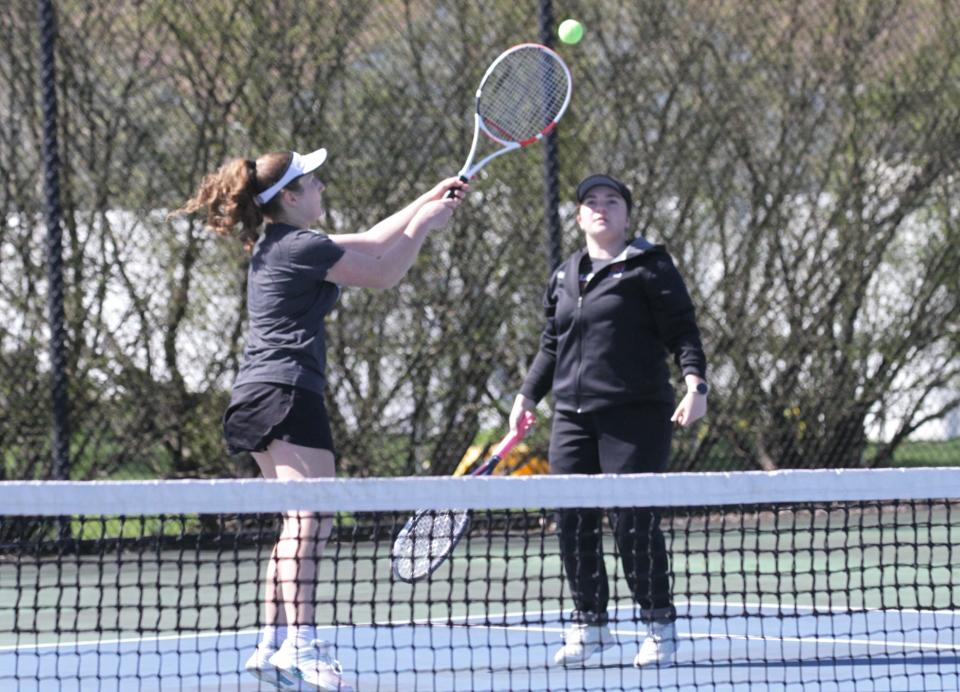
x,y
799,160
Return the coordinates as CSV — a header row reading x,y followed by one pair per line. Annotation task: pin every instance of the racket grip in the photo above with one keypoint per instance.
x,y
450,192
526,420
506,444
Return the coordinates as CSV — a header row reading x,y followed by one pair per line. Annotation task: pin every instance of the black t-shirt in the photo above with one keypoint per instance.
x,y
287,301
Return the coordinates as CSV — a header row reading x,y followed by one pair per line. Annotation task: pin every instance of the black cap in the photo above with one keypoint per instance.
x,y
592,181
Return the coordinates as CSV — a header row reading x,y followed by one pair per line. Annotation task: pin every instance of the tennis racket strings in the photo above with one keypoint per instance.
x,y
523,94
426,541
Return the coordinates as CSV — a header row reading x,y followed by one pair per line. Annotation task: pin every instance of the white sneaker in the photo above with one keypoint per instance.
x,y
580,642
260,667
660,646
312,667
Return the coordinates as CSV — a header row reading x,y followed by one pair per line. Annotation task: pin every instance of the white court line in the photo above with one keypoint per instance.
x,y
828,640
710,605
745,637
455,620
129,640
842,610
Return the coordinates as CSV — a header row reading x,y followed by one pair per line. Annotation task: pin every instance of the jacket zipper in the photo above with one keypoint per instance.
x,y
579,348
580,328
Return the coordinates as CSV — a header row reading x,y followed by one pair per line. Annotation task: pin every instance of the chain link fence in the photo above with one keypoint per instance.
x,y
799,160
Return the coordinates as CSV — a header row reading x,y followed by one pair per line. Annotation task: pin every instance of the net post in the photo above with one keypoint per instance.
x,y
551,191
54,241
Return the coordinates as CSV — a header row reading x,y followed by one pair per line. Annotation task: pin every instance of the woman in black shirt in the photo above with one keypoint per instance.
x,y
276,409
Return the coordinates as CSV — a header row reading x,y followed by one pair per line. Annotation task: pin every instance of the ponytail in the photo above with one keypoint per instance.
x,y
229,196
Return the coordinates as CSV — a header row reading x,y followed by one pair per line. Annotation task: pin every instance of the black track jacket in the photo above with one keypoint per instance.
x,y
608,344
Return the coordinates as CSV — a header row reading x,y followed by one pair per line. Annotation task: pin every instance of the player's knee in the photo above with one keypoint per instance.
x,y
308,525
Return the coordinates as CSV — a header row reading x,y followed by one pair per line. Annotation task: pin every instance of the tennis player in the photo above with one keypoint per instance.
x,y
276,409
614,310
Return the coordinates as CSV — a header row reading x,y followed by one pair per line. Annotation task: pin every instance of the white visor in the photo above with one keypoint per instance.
x,y
300,164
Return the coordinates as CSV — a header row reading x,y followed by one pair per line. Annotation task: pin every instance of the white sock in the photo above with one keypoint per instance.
x,y
302,635
273,636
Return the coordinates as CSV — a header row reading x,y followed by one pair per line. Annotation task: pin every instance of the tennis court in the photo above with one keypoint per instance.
x,y
788,593
894,650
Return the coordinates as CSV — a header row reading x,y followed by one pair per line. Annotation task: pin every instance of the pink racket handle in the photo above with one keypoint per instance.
x,y
507,443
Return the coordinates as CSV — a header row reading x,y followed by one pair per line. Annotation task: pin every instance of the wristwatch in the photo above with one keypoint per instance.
x,y
702,388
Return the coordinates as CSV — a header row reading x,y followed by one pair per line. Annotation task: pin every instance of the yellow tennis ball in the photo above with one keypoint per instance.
x,y
570,31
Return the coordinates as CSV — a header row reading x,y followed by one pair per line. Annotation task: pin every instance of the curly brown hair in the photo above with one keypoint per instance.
x,y
229,193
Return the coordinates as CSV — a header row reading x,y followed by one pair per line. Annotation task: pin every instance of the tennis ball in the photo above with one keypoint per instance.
x,y
570,31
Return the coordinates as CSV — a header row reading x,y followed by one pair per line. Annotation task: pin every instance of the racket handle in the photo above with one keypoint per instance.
x,y
526,420
450,192
506,444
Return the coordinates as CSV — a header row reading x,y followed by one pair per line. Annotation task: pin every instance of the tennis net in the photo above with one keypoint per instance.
x,y
786,580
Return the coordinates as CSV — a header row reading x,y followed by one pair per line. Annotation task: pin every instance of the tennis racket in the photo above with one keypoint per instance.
x,y
521,98
430,535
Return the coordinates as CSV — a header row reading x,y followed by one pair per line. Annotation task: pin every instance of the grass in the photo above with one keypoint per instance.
x,y
923,453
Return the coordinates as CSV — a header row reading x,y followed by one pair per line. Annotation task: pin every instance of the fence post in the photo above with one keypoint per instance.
x,y
52,214
551,190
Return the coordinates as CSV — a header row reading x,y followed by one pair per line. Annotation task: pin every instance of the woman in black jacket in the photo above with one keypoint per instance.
x,y
614,311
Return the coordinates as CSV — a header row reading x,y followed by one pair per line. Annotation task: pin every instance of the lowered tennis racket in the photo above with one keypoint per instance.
x,y
430,535
522,96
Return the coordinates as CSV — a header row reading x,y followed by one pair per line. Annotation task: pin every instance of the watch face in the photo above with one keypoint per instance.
x,y
702,388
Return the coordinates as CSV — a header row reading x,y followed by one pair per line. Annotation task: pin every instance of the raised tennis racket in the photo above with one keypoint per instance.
x,y
430,535
522,96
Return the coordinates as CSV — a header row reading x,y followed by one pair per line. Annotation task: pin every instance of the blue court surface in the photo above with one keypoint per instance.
x,y
769,648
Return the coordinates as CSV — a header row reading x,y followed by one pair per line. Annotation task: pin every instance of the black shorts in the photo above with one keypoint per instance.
x,y
629,438
260,413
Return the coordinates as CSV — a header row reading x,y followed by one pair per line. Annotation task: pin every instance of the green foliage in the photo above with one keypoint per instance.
x,y
924,453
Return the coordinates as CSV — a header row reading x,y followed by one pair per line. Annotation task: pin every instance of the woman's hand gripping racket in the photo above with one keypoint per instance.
x,y
522,96
428,538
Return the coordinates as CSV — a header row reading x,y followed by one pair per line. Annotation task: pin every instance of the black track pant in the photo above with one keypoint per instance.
x,y
631,438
